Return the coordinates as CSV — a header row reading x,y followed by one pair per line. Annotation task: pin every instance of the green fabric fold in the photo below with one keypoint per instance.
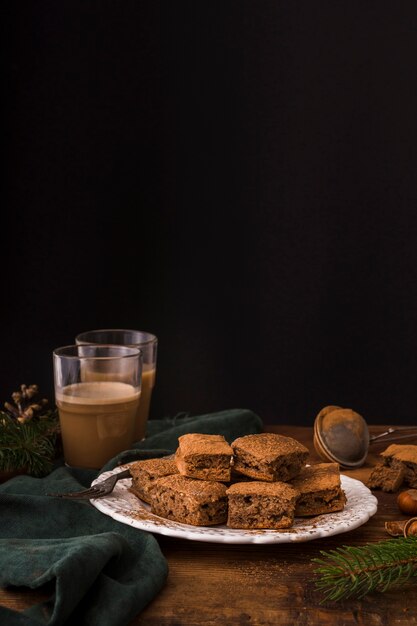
x,y
100,572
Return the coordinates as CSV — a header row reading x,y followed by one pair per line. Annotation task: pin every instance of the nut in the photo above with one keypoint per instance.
x,y
410,527
396,528
407,502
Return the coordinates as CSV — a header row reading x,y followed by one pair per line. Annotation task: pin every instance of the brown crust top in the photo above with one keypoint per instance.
x,y
268,446
200,490
197,443
319,477
259,488
162,466
401,452
156,467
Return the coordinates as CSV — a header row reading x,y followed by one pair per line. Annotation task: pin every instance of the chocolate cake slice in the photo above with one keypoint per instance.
x,y
268,456
256,504
399,456
320,490
189,501
398,466
207,457
144,473
387,478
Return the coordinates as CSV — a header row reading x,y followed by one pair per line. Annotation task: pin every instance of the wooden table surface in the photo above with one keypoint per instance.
x,y
265,585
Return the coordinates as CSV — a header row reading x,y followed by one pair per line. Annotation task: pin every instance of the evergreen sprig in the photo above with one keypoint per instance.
x,y
29,446
354,571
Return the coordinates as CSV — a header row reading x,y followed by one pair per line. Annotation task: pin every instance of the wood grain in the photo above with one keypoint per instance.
x,y
264,585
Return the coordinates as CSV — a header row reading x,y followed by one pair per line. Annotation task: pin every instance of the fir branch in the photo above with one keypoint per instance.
x,y
29,446
353,571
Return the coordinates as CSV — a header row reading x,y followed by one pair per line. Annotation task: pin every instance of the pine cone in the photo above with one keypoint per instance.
x,y
26,404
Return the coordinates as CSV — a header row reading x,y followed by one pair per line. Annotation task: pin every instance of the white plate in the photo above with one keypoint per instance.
x,y
124,507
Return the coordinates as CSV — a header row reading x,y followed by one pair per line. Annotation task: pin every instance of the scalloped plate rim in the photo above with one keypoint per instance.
x,y
122,506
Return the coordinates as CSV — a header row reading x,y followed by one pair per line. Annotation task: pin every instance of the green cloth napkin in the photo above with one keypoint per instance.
x,y
100,572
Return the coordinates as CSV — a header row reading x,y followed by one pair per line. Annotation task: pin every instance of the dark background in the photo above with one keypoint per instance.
x,y
237,177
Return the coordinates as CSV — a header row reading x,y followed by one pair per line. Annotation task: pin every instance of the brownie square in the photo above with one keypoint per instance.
x,y
320,490
269,457
189,501
402,456
258,504
207,457
387,478
144,473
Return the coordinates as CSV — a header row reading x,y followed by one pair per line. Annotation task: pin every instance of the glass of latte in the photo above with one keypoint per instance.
x,y
147,344
97,392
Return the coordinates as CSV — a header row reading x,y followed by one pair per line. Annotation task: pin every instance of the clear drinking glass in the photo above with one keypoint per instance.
x,y
97,392
148,344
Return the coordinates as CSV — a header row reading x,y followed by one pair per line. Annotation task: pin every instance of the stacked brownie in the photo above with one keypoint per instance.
x,y
208,457
259,481
267,501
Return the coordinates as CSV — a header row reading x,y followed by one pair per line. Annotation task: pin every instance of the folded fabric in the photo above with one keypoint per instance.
x,y
102,572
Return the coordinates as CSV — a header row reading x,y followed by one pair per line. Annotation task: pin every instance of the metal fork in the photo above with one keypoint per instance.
x,y
101,489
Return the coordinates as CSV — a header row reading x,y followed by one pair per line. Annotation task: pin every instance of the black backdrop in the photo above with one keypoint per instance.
x,y
237,177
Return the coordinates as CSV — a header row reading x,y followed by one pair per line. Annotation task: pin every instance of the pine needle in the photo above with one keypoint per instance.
x,y
354,571
29,446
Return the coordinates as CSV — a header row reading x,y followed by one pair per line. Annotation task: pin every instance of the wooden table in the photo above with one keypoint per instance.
x,y
264,585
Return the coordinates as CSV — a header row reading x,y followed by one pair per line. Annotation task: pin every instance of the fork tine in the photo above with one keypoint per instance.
x,y
97,491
